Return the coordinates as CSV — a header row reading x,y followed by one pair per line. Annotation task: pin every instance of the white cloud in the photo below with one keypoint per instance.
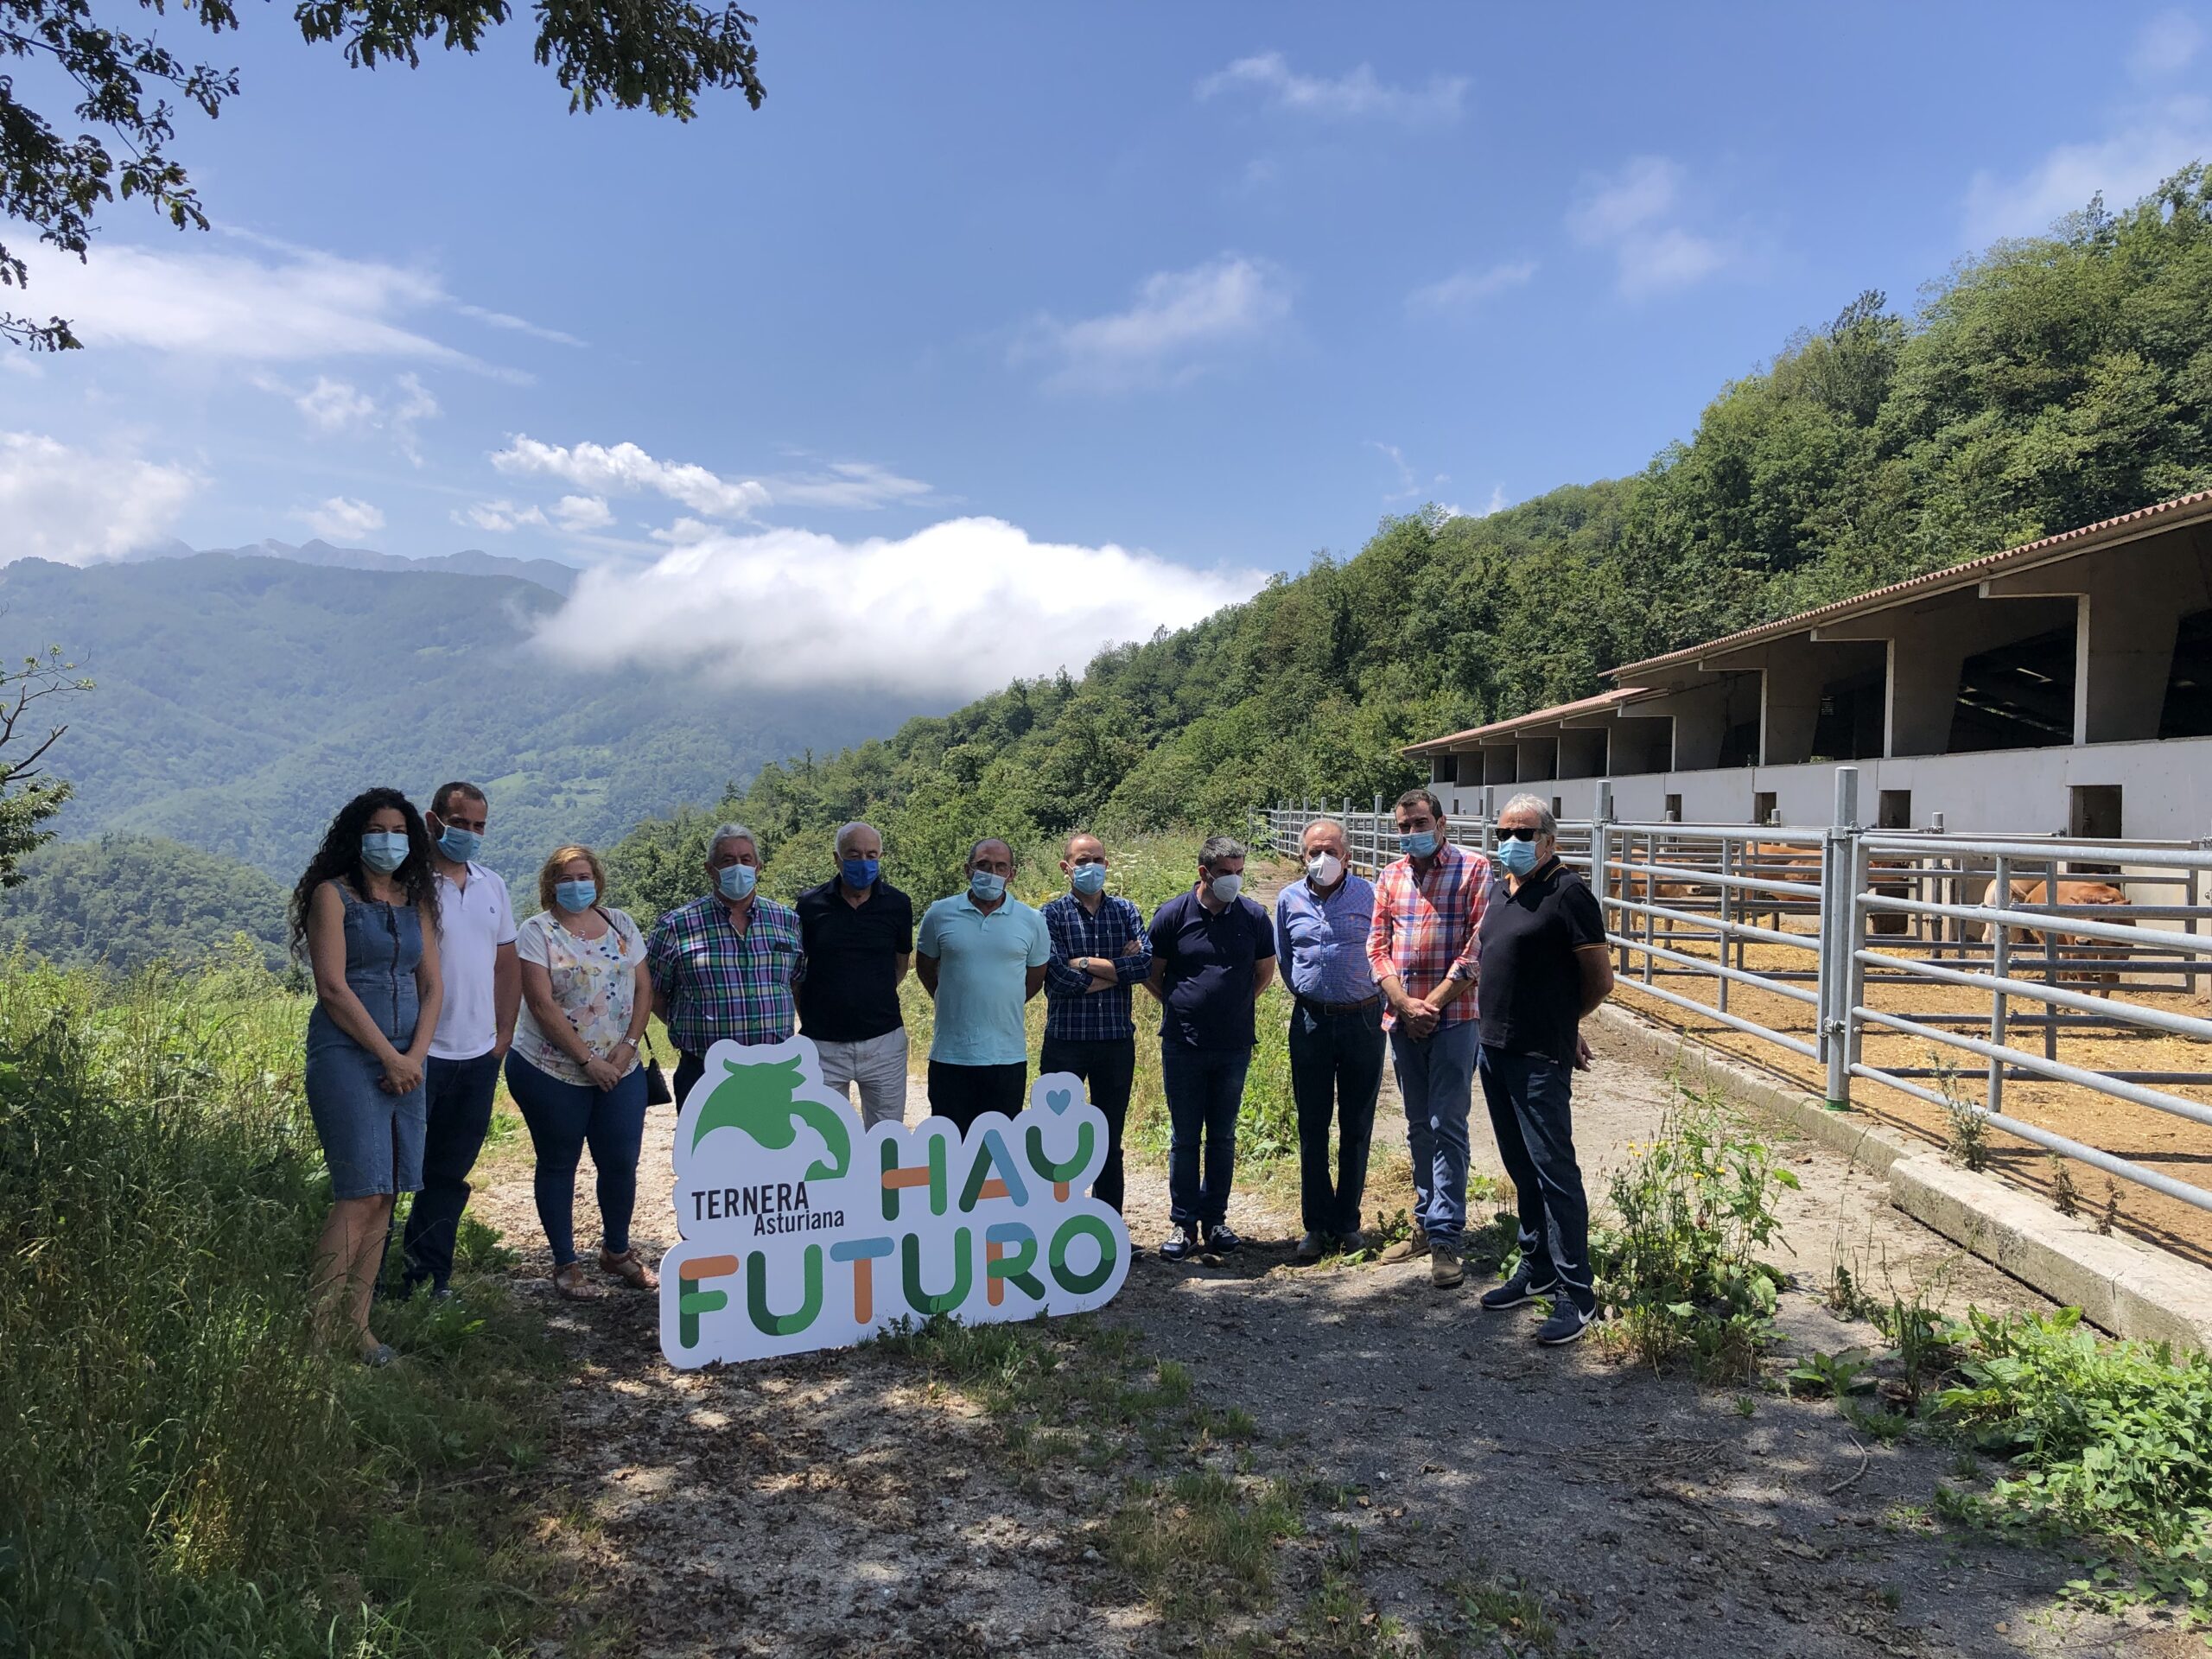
x,y
1464,290
300,305
2129,162
951,611
1348,97
625,469
499,517
335,405
335,408
71,504
1633,215
2166,46
859,485
1409,485
1497,502
583,513
341,518
517,325
1181,320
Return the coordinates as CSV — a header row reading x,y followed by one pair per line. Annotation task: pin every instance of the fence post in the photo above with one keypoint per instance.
x,y
1839,954
1601,822
1374,837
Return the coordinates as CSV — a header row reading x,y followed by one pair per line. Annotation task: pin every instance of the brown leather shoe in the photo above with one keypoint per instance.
x,y
1406,1248
630,1267
1446,1267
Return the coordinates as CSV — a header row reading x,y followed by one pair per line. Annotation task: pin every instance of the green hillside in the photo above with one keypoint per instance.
x,y
123,901
2049,383
241,700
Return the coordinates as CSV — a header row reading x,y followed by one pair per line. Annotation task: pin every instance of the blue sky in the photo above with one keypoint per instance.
x,y
1000,331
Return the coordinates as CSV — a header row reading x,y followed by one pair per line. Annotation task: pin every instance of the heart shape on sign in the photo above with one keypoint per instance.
x,y
1060,1099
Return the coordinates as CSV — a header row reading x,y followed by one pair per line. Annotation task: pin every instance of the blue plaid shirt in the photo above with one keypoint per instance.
x,y
721,983
1322,943
1074,1012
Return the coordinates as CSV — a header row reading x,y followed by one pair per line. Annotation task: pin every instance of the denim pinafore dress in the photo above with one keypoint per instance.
x,y
371,1140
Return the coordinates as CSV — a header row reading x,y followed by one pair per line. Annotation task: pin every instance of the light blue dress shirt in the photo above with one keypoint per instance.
x,y
1322,943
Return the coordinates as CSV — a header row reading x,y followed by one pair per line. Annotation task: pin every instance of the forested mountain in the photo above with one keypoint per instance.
x,y
470,561
2049,383
120,901
239,701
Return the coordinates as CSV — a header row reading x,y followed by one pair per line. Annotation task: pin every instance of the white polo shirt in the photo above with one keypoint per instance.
x,y
477,920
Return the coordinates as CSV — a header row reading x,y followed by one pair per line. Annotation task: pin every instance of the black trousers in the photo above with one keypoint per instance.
x,y
1336,1072
689,1070
457,1104
964,1093
1109,1068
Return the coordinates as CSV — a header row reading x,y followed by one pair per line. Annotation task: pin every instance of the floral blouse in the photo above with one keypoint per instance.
x,y
595,983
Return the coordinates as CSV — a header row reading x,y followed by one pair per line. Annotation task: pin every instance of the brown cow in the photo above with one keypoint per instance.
x,y
2027,894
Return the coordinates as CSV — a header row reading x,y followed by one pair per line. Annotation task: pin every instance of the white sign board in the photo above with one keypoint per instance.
x,y
801,1229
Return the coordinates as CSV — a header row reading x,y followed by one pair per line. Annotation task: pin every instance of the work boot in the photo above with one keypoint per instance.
x,y
1311,1247
1446,1266
1406,1248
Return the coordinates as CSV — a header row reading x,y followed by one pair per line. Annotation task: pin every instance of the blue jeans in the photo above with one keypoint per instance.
x,y
562,1118
1436,1080
1204,1087
457,1096
1336,1072
1528,1096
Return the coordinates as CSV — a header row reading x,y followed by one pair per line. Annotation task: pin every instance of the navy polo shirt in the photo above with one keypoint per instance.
x,y
1211,959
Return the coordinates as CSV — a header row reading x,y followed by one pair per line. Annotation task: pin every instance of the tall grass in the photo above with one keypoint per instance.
x,y
185,1471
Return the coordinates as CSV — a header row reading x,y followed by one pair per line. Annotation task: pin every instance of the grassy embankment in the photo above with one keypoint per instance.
x,y
187,1470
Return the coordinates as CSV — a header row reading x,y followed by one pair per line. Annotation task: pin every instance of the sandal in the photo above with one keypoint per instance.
x,y
569,1281
630,1269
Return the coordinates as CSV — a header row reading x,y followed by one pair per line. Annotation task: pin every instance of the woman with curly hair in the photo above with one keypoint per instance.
x,y
366,911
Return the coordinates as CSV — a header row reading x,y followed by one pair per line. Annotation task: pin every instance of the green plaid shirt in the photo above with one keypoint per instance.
x,y
720,983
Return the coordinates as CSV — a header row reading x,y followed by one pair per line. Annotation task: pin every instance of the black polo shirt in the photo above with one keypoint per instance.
x,y
1210,959
1528,991
851,989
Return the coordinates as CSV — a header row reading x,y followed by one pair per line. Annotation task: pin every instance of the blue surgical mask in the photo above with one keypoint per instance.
x,y
575,895
1420,846
1088,879
459,844
1519,857
986,886
384,850
859,872
736,882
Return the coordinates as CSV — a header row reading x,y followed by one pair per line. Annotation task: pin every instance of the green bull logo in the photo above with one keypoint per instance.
x,y
802,1231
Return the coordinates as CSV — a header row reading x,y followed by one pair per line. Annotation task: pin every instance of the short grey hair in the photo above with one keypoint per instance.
x,y
735,832
1218,850
846,834
1320,824
1546,823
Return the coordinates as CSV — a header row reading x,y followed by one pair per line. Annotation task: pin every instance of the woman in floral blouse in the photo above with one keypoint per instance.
x,y
574,1067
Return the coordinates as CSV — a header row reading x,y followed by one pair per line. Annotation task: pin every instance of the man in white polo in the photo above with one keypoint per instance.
x,y
483,981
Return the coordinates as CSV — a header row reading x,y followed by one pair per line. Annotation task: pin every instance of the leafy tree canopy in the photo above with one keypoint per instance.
x,y
650,55
121,901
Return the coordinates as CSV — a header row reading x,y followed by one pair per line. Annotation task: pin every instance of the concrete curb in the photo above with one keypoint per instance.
x,y
2120,1286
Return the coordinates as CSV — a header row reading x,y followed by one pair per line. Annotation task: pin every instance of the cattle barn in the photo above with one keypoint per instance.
x,y
2064,687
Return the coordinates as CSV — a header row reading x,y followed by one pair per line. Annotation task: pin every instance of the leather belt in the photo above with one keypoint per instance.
x,y
1338,1007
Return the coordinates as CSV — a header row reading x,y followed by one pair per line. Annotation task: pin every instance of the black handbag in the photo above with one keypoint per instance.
x,y
658,1093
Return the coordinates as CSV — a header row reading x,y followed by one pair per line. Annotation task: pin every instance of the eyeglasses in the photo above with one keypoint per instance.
x,y
1525,833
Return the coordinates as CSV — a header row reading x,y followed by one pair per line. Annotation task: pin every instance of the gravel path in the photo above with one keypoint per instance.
x,y
846,1504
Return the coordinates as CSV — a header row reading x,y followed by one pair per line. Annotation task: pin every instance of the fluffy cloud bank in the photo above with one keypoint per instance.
x,y
951,611
77,507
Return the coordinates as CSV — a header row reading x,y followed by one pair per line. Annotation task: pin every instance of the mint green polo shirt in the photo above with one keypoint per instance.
x,y
983,963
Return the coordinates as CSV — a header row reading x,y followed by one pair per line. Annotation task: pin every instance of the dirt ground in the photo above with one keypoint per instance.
x,y
852,1503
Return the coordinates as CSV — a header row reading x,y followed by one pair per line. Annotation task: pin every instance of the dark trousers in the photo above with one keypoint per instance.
x,y
689,1070
1204,1087
1107,1069
1529,1096
564,1118
964,1093
457,1103
1336,1072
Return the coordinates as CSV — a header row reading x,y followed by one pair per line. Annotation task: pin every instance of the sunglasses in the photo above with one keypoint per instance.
x,y
1523,834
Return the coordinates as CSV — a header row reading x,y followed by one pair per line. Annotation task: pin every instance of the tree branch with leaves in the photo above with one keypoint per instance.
x,y
650,55
29,794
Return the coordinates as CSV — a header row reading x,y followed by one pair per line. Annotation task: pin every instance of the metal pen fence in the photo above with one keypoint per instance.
x,y
2036,961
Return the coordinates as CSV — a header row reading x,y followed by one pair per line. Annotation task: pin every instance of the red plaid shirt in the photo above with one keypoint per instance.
x,y
1426,928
